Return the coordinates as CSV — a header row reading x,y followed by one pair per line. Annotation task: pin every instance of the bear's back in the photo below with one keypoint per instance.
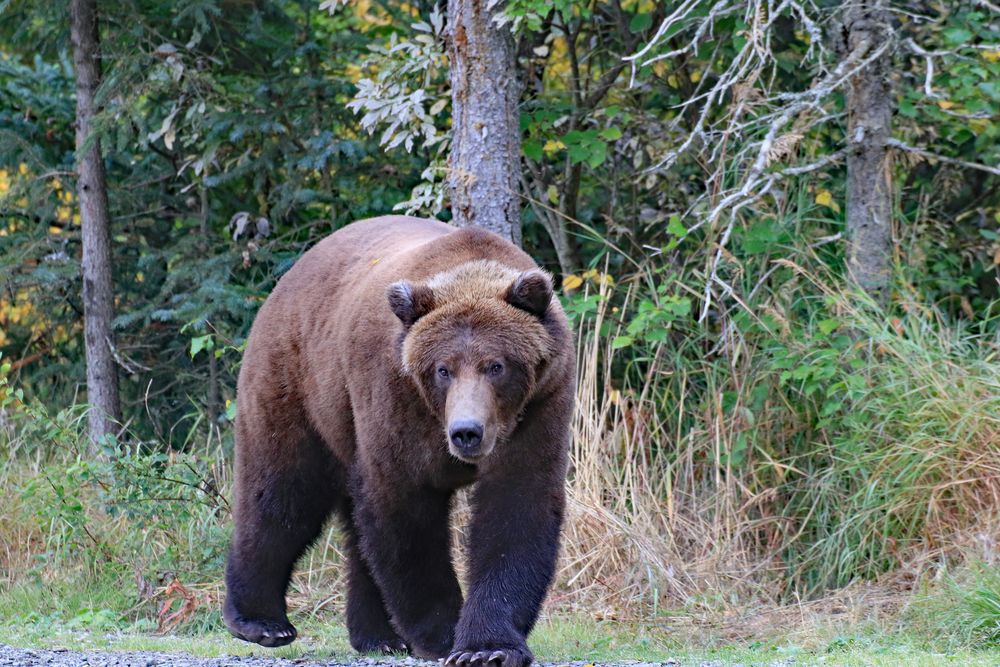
x,y
370,254
328,319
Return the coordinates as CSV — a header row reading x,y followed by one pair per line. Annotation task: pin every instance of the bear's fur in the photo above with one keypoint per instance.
x,y
399,360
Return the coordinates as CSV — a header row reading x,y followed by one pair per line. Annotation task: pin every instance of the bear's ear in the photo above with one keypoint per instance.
x,y
410,302
531,291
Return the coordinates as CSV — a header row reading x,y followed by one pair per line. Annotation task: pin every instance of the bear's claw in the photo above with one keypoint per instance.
x,y
266,632
500,657
385,647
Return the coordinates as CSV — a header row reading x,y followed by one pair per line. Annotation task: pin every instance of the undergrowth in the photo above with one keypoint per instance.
x,y
784,453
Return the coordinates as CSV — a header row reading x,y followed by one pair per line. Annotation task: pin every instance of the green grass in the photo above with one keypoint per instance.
x,y
561,639
94,609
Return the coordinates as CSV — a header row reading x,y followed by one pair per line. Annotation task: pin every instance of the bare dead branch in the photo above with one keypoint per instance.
x,y
899,145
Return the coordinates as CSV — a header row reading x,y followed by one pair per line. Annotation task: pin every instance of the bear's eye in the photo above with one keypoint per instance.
x,y
443,372
495,369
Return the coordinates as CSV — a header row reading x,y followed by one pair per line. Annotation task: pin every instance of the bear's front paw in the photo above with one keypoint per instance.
x,y
389,646
500,657
266,632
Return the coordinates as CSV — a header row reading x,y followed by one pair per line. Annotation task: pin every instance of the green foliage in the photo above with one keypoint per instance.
x,y
155,511
984,614
208,114
161,497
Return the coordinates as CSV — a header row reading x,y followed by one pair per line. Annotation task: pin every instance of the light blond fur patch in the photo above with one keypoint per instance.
x,y
471,281
476,292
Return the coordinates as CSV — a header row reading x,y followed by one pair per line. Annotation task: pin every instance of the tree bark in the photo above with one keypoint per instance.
x,y
869,173
485,158
98,297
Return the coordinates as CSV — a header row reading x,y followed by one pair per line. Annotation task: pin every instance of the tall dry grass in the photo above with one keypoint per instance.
x,y
663,514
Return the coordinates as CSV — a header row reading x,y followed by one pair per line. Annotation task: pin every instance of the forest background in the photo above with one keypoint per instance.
x,y
788,327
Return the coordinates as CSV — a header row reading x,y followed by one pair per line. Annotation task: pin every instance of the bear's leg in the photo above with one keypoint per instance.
x,y
281,505
368,624
513,543
406,542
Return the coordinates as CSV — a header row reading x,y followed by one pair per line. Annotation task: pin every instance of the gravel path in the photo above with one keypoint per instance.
x,y
21,657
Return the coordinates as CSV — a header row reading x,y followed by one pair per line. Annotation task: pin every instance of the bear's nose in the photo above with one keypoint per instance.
x,y
466,434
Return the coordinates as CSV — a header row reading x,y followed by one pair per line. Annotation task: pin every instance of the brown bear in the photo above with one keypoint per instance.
x,y
399,360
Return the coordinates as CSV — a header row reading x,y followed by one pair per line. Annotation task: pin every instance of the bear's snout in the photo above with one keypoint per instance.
x,y
470,417
467,436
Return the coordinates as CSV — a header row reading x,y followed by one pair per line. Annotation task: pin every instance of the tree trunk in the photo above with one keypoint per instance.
x,y
869,176
92,193
214,403
485,159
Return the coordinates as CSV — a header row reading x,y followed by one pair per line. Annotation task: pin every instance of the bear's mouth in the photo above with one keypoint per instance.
x,y
472,454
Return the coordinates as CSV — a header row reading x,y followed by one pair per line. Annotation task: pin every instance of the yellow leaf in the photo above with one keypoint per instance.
x,y
353,73
945,104
64,214
695,76
672,81
587,275
553,145
572,281
553,194
990,56
22,169
825,198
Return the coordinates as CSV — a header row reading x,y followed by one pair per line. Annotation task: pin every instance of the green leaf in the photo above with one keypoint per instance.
x,y
532,149
827,326
991,88
676,227
621,341
640,22
578,153
598,153
957,35
199,343
830,407
681,306
611,133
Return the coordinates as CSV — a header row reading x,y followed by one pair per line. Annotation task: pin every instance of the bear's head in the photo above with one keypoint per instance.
x,y
475,345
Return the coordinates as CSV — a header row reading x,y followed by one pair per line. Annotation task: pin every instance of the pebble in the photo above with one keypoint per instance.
x,y
20,657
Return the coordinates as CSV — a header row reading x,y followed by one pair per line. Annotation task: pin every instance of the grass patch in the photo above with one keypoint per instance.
x,y
96,609
559,639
